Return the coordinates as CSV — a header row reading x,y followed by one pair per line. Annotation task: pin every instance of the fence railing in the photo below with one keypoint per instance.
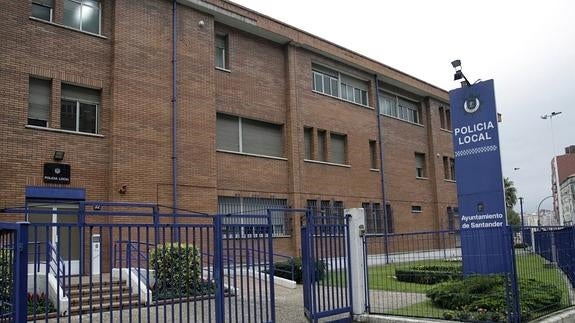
x,y
170,266
406,280
54,264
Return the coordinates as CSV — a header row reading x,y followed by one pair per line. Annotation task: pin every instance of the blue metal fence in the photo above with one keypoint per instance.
x,y
557,246
13,254
121,261
326,267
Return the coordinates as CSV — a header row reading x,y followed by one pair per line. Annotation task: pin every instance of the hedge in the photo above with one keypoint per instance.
x,y
177,269
483,298
283,269
431,274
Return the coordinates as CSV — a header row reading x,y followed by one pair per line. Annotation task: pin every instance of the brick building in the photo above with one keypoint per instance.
x,y
565,169
225,110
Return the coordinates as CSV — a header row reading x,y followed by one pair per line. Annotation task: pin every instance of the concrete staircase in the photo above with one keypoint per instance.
x,y
100,296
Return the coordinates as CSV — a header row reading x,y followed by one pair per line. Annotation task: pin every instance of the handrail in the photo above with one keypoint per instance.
x,y
132,245
51,254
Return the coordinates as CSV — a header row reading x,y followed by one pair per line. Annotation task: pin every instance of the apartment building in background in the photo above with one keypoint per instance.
x,y
561,182
211,107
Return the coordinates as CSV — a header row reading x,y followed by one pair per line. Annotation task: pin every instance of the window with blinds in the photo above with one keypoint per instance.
x,y
248,136
308,139
336,84
420,165
393,106
39,94
79,109
221,51
42,9
338,148
235,207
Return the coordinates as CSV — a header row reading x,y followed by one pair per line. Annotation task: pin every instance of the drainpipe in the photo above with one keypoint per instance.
x,y
381,175
174,113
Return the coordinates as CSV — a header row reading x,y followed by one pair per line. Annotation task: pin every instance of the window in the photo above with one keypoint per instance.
x,y
238,206
248,136
39,102
221,42
83,15
336,84
338,148
42,9
452,213
449,168
374,219
328,214
420,167
373,154
393,106
79,109
308,139
445,118
416,209
321,145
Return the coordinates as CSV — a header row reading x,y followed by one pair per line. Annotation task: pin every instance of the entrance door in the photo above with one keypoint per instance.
x,y
55,238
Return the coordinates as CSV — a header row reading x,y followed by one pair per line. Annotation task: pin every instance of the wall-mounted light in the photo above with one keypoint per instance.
x,y
123,189
58,155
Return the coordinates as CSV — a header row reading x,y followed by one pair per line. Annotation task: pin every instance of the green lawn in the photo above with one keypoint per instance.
x,y
382,277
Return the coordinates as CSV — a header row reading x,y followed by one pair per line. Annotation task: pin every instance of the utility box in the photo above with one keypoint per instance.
x,y
96,254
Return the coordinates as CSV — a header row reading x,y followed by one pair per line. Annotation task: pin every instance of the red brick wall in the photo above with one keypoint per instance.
x,y
132,65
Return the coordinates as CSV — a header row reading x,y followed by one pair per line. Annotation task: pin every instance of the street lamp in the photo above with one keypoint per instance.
x,y
459,73
539,208
556,173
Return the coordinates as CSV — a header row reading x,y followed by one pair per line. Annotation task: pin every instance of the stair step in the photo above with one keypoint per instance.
x,y
95,290
75,310
105,299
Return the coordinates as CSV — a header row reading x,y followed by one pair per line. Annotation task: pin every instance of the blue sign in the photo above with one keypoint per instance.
x,y
480,189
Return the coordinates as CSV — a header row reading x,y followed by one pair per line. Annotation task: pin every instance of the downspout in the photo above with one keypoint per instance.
x,y
174,113
381,175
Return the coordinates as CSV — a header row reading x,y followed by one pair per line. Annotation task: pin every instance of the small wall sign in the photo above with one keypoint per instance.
x,y
56,173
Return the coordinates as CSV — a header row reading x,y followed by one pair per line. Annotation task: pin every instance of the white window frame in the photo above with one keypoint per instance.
x,y
78,102
400,111
42,5
82,4
341,85
225,53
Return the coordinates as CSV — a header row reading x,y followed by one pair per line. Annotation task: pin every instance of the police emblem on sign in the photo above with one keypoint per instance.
x,y
471,104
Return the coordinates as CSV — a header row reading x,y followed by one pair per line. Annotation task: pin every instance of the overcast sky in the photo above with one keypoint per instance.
x,y
527,47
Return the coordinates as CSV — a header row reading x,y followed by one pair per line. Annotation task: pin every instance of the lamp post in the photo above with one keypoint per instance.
x,y
539,208
556,171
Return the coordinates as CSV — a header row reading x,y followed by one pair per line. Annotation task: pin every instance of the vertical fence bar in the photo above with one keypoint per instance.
x,y
21,272
271,267
218,269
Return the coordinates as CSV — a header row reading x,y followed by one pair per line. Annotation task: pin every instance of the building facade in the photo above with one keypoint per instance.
x,y
208,106
562,167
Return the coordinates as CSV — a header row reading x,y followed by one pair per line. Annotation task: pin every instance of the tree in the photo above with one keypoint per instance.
x,y
510,193
513,218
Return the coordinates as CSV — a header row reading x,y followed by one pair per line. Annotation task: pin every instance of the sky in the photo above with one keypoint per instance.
x,y
527,47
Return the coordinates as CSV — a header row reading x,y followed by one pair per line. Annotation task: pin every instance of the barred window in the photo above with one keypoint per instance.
x,y
235,207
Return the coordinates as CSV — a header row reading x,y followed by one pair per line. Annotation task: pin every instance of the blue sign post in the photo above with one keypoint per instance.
x,y
480,190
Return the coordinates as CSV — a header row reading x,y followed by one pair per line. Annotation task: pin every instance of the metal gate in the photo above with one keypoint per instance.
x,y
135,262
13,239
326,267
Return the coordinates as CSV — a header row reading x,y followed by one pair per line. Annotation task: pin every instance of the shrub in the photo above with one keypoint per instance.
x,y
283,269
177,269
431,274
483,298
38,304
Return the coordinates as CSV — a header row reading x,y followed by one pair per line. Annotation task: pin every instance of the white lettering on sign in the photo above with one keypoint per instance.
x,y
473,133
